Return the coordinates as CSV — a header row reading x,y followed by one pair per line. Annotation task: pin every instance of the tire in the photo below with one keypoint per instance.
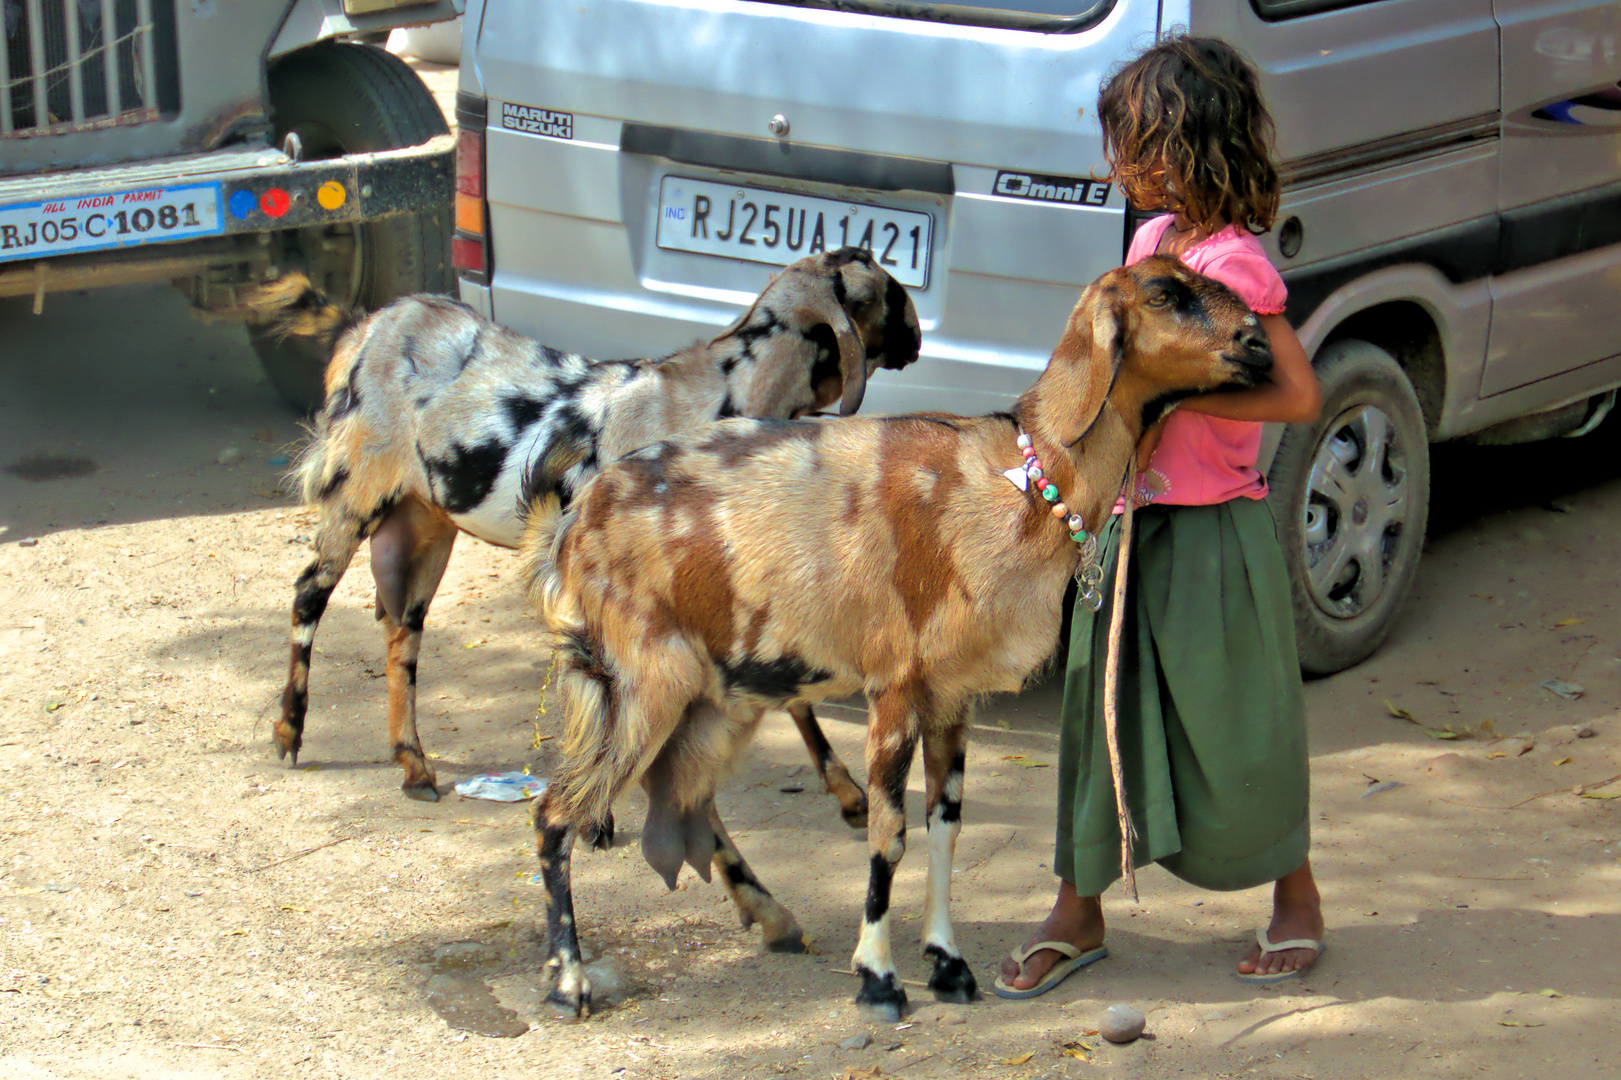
x,y
345,99
1351,496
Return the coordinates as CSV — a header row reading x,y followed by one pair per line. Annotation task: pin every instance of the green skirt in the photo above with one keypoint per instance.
x,y
1211,713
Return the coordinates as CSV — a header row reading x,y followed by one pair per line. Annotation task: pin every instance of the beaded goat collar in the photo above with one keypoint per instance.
x,y
1089,574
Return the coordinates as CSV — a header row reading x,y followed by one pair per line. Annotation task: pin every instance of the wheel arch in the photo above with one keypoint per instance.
x,y
1408,332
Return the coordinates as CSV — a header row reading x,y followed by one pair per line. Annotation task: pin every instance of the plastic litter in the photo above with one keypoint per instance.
x,y
1568,690
501,787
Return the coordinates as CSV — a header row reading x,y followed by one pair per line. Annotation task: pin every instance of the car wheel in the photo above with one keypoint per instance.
x,y
345,99
1351,492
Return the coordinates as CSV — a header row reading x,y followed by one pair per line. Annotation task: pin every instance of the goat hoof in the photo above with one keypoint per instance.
x,y
565,1005
881,998
423,792
572,993
600,836
855,817
952,981
788,943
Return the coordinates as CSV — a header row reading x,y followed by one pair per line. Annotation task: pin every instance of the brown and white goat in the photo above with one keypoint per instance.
x,y
700,581
437,419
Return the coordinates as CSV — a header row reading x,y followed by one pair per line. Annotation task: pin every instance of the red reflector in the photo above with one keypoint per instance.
x,y
275,202
466,254
470,162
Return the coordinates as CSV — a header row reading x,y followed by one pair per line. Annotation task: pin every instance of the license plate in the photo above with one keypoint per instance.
x,y
109,220
776,227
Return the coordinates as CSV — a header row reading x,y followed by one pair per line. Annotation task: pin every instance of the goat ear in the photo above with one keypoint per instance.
x,y
852,361
1090,352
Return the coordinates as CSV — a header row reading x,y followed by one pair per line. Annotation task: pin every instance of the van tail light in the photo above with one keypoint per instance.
x,y
470,246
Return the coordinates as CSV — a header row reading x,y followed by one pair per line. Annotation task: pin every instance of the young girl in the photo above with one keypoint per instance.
x,y
1212,721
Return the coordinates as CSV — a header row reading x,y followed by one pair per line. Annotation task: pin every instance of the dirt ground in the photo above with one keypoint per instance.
x,y
175,902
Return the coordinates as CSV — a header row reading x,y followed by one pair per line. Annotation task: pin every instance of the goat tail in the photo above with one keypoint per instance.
x,y
292,306
582,790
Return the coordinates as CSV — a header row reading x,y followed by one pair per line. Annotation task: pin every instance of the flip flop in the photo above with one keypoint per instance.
x,y
1318,946
1074,960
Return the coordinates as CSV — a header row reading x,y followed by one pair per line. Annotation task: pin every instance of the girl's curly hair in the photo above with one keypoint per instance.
x,y
1185,130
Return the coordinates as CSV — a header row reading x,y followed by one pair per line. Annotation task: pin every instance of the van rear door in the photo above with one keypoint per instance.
x,y
650,164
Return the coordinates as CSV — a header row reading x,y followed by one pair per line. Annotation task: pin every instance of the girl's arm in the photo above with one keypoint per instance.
x,y
1292,397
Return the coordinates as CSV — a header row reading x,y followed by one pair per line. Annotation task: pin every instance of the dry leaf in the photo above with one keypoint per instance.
x,y
1563,761
294,907
1076,1049
1522,1023
1499,753
1020,1060
1570,622
1400,714
1549,993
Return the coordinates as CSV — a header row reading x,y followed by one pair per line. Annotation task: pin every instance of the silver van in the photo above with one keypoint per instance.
x,y
631,171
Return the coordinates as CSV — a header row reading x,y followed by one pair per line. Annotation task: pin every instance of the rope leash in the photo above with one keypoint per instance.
x,y
1111,686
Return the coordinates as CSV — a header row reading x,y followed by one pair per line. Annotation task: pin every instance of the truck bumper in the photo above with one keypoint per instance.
x,y
250,192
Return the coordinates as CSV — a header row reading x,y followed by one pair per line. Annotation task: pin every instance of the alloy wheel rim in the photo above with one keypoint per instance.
x,y
1356,512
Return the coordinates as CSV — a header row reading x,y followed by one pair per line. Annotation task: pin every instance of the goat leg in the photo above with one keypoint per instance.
x,y
944,758
599,835
755,904
409,551
336,541
555,840
835,777
892,734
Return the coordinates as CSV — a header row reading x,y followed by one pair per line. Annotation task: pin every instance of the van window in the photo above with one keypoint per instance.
x,y
1042,16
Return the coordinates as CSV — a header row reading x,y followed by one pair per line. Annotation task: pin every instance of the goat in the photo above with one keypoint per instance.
x,y
437,419
700,581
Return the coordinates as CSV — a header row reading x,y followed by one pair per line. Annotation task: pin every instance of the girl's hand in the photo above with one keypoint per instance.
x,y
1292,396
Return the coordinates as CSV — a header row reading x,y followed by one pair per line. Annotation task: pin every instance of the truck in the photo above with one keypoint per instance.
x,y
217,144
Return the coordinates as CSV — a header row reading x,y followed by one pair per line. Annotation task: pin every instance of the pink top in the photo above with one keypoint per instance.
x,y
1202,460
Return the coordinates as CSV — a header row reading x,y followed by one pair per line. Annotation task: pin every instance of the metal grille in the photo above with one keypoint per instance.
x,y
73,65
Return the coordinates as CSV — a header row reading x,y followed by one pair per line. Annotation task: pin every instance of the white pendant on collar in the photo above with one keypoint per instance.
x,y
1019,477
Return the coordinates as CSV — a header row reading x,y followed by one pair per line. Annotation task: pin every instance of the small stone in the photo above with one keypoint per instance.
x,y
1121,1023
1584,731
856,1042
952,1019
229,456
28,541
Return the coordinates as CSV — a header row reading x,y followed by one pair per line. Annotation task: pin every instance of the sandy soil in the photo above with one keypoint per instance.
x,y
174,902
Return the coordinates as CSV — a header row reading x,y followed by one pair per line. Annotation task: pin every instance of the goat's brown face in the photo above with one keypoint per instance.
x,y
1151,334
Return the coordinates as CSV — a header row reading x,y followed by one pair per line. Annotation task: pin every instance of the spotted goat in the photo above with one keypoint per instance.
x,y
703,580
438,420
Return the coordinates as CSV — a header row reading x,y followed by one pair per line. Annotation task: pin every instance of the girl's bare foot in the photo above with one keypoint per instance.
x,y
1297,912
1074,918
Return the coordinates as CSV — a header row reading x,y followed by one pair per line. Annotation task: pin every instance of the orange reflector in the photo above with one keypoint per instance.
x,y
470,214
331,195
